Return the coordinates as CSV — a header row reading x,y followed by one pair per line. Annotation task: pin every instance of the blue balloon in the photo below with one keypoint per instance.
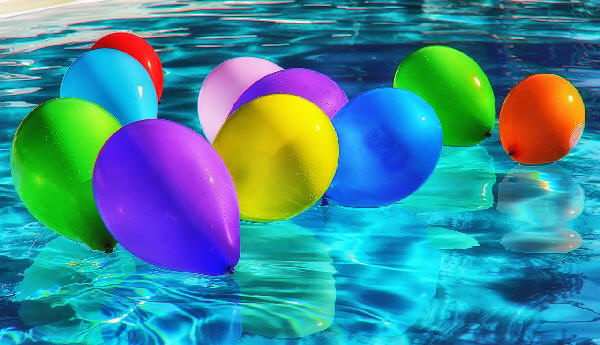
x,y
390,142
113,80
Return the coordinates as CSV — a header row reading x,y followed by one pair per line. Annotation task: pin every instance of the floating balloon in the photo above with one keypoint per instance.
x,y
541,196
542,240
283,262
461,181
457,89
541,119
311,85
390,141
282,152
138,48
113,80
224,85
52,160
168,198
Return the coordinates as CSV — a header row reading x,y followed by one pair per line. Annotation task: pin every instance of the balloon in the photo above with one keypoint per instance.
x,y
461,181
313,86
113,80
541,119
224,85
282,152
283,262
457,89
52,159
390,141
167,197
138,48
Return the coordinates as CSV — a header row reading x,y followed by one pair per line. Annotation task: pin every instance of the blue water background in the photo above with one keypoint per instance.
x,y
488,252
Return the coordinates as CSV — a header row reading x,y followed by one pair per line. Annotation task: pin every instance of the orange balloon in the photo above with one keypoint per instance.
x,y
541,119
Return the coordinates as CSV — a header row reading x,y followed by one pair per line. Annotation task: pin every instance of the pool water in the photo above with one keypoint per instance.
x,y
487,252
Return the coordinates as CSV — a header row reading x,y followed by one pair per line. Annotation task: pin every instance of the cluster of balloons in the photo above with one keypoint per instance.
x,y
96,165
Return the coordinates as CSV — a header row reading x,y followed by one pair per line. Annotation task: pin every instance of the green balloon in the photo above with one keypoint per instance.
x,y
457,89
52,160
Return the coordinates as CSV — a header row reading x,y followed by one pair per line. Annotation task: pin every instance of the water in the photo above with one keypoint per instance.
x,y
488,252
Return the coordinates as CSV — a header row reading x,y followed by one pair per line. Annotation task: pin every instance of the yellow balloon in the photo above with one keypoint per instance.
x,y
282,152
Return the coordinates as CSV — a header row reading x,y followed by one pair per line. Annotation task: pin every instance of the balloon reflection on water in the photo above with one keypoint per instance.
x,y
462,181
540,195
386,270
68,296
286,280
543,199
544,240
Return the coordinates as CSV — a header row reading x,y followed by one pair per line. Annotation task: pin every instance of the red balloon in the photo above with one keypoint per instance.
x,y
138,48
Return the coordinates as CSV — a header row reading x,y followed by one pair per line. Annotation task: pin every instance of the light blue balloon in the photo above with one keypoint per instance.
x,y
114,80
390,142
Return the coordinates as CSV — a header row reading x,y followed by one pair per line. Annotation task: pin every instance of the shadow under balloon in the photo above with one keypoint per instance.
x,y
71,294
462,181
386,270
286,281
542,200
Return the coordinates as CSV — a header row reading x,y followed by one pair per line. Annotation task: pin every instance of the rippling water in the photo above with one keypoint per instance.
x,y
487,252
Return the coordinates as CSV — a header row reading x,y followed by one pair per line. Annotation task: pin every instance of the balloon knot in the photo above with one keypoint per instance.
x,y
108,250
324,202
488,134
511,153
230,269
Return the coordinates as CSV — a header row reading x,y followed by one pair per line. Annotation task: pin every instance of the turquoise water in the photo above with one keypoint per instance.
x,y
487,252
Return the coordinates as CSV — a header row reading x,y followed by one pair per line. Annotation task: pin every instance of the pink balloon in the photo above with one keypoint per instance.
x,y
224,85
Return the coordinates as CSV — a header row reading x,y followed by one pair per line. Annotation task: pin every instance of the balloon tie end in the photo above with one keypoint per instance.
x,y
108,247
230,269
511,153
488,134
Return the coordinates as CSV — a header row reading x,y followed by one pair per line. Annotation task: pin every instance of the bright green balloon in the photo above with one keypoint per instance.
x,y
457,89
52,160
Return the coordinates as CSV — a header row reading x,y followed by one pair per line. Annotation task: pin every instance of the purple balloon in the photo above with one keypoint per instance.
x,y
165,194
308,84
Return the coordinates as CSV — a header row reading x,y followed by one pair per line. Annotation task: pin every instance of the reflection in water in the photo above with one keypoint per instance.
x,y
542,240
461,181
540,195
442,238
286,280
72,295
386,270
